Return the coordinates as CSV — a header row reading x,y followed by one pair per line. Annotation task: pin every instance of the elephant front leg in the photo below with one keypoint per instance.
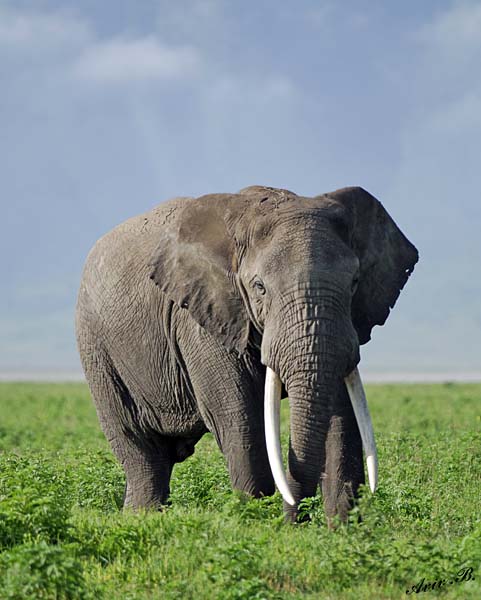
x,y
343,471
229,391
233,411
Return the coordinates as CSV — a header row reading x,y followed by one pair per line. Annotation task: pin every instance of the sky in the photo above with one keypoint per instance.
x,y
108,108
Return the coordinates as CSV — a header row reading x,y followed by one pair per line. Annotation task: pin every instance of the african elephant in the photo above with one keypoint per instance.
x,y
188,312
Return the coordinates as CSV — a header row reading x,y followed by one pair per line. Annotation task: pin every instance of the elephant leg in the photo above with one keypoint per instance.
x,y
343,471
147,463
147,460
237,423
229,391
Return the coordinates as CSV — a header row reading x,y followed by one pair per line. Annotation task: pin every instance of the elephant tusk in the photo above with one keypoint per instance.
x,y
272,414
361,411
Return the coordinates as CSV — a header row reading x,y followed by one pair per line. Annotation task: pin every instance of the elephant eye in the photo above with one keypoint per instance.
x,y
259,287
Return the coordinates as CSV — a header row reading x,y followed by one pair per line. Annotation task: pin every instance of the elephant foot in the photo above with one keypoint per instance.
x,y
147,487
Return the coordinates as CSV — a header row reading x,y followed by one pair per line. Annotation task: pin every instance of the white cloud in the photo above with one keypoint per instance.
x,y
33,30
455,32
122,60
61,40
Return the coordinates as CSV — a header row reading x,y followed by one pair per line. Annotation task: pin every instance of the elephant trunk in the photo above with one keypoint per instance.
x,y
312,378
310,407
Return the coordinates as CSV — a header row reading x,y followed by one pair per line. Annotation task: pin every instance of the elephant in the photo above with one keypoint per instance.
x,y
198,315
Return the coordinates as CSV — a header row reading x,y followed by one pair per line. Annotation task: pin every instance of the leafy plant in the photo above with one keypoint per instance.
x,y
35,500
44,572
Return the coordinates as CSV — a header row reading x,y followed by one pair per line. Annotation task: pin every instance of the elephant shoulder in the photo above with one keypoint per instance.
x,y
137,229
160,216
121,256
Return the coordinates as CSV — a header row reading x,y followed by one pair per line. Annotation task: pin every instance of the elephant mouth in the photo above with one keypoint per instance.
x,y
272,410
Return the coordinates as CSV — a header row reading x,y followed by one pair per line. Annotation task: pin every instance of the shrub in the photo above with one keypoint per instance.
x,y
97,480
35,500
41,571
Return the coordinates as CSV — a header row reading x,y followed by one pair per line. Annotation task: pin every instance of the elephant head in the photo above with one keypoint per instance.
x,y
302,281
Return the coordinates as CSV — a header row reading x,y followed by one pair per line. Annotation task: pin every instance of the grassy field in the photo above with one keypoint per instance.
x,y
62,534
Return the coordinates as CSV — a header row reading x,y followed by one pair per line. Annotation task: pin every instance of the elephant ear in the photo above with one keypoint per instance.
x,y
194,265
386,256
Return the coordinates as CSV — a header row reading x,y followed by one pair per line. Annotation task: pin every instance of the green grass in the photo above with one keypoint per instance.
x,y
62,534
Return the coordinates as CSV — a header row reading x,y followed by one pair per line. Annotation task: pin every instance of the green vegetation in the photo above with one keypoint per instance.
x,y
62,534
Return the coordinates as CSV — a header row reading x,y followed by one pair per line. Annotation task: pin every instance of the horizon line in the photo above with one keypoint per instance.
x,y
369,376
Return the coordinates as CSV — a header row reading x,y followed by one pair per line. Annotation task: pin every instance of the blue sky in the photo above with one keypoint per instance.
x,y
107,108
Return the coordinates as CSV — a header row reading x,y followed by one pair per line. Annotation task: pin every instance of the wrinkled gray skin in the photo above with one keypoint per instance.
x,y
181,309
